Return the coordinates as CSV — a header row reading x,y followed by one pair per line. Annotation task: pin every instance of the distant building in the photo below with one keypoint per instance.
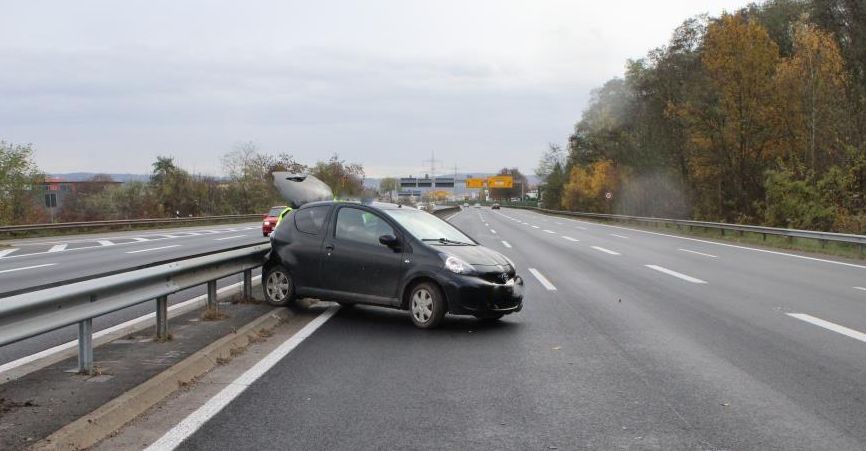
x,y
53,191
417,187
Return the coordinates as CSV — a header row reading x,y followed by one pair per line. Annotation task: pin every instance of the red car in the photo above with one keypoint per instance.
x,y
271,218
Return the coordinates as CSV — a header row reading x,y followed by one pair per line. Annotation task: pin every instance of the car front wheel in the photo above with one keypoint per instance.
x,y
426,305
278,286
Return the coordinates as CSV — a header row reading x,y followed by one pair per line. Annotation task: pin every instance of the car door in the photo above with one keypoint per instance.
x,y
301,248
354,264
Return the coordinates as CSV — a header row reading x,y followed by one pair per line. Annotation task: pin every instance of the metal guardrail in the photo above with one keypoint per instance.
x,y
848,238
122,222
42,310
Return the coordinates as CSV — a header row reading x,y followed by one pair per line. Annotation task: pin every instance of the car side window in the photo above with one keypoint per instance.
x,y
312,219
354,224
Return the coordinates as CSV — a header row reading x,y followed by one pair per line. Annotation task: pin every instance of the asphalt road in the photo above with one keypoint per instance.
x,y
35,262
628,340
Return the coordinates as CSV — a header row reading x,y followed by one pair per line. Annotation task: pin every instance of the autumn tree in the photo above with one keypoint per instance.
x,y
345,179
811,87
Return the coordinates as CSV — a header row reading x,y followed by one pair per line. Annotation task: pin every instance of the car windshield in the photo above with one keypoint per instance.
x,y
427,227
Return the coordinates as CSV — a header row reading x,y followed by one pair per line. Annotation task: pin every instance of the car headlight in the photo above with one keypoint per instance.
x,y
458,266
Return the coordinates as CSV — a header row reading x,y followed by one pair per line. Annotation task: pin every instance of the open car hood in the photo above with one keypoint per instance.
x,y
299,189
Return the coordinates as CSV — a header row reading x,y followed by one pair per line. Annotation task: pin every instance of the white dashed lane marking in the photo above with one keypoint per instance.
x,y
606,251
152,249
58,248
570,238
105,243
541,279
678,275
855,334
27,267
5,252
505,243
698,253
229,237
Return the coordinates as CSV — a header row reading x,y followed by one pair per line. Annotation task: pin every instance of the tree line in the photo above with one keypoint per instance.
x,y
171,191
757,116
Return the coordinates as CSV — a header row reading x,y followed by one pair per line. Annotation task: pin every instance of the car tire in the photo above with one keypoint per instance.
x,y
278,286
426,305
490,317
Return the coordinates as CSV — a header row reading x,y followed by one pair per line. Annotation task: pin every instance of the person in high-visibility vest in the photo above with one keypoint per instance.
x,y
282,215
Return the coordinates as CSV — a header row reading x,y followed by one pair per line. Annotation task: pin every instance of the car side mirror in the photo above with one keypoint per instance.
x,y
390,241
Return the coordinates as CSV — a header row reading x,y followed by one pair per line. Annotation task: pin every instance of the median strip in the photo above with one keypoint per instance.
x,y
678,275
855,334
541,279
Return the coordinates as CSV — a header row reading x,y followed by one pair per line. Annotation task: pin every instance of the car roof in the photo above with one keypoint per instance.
x,y
377,205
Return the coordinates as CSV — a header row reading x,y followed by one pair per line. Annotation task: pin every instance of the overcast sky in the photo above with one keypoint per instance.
x,y
106,86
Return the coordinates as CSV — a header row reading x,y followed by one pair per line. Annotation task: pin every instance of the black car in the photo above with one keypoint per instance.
x,y
388,255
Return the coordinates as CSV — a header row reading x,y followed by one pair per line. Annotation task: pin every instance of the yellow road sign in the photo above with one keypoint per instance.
x,y
475,183
500,181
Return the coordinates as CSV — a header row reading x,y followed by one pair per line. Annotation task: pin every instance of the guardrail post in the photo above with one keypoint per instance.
x,y
248,285
85,346
211,295
162,317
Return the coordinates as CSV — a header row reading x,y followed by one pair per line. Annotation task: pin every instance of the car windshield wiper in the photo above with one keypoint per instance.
x,y
447,241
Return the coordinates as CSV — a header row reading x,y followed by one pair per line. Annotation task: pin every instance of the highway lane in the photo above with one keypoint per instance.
x,y
85,256
38,262
627,340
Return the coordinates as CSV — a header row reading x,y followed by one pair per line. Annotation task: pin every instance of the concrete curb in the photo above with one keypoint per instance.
x,y
111,416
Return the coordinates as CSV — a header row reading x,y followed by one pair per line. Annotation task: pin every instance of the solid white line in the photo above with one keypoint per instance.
x,y
505,243
618,236
675,274
492,231
174,437
607,251
152,249
570,238
6,252
549,231
543,280
27,267
69,344
857,335
229,237
105,243
699,253
860,288
58,248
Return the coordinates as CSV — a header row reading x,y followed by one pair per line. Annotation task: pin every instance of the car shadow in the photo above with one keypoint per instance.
x,y
362,315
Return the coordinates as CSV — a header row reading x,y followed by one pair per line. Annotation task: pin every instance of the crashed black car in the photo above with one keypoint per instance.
x,y
387,255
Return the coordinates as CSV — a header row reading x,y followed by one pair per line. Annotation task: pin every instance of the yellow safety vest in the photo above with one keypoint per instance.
x,y
282,215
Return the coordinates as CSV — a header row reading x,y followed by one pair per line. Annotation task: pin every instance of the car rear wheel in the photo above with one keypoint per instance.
x,y
426,305
278,286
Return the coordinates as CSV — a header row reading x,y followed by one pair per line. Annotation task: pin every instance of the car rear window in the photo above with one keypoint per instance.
x,y
311,220
276,211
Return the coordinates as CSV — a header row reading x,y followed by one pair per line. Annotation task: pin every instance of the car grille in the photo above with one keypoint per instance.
x,y
498,277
